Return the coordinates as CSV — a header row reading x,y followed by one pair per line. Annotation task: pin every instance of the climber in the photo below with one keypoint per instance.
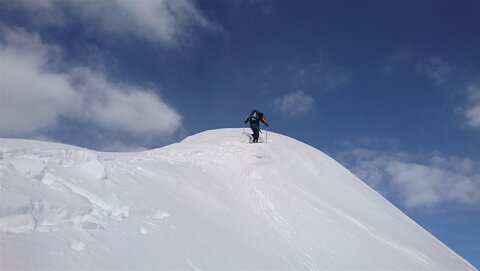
x,y
255,117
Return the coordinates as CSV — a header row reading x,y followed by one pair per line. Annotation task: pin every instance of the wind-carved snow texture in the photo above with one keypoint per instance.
x,y
212,201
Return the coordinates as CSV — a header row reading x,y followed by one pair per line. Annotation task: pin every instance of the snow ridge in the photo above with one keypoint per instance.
x,y
210,201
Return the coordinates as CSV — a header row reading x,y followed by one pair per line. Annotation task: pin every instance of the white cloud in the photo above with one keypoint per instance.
x,y
32,97
472,111
294,104
35,94
124,108
168,22
428,185
433,182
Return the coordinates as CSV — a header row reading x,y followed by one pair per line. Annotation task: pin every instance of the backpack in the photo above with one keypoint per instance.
x,y
254,115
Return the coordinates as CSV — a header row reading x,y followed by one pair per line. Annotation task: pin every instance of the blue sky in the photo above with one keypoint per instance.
x,y
389,88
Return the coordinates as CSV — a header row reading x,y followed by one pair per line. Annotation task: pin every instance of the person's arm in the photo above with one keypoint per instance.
x,y
264,122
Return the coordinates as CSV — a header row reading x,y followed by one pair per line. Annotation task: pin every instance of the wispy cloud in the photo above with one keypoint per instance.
x,y
440,72
167,22
402,56
294,104
435,68
319,76
304,75
265,7
311,74
37,93
432,182
472,110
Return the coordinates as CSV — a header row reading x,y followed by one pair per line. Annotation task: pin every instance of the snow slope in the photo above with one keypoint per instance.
x,y
209,202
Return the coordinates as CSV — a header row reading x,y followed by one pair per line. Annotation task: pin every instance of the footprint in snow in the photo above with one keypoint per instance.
x,y
77,245
158,214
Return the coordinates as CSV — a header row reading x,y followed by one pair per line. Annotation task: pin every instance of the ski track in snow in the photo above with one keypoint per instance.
x,y
211,201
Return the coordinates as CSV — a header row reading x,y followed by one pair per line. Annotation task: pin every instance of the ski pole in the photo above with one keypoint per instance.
x,y
266,135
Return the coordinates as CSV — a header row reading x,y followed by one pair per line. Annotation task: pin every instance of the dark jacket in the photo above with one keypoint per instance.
x,y
256,121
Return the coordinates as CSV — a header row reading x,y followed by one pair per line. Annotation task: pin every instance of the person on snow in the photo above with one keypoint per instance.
x,y
254,118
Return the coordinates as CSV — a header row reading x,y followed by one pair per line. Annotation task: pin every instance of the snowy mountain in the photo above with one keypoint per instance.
x,y
211,201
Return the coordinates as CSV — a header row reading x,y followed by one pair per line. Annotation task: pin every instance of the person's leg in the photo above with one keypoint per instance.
x,y
256,132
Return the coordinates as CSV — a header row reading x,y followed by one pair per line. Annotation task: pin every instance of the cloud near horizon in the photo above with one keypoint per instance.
x,y
37,94
435,181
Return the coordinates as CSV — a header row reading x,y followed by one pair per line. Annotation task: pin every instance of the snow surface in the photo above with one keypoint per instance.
x,y
212,201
